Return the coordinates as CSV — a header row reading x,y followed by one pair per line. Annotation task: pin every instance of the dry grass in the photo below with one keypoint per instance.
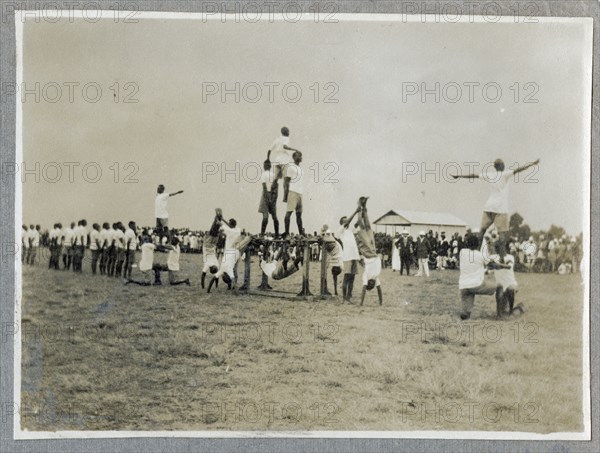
x,y
98,355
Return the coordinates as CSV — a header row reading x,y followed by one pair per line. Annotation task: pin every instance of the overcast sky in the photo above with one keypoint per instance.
x,y
369,136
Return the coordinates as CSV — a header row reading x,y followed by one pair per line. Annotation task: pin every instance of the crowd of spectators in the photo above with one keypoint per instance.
x,y
540,252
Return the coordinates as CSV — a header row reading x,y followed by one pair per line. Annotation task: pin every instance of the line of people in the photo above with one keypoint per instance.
x,y
111,247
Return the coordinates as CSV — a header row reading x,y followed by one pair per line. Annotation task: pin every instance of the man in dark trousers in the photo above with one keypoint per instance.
x,y
405,248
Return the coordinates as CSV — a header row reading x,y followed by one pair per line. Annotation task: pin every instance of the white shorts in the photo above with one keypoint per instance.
x,y
230,258
372,270
210,260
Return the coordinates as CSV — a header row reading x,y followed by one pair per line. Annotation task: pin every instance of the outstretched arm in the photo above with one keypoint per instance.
x,y
497,265
175,193
349,221
289,148
525,167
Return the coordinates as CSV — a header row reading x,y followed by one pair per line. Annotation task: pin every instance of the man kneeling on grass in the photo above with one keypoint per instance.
x,y
147,265
472,275
506,285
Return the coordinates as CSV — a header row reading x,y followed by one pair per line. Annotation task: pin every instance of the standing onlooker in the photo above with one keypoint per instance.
x,y
130,240
95,246
111,262
119,236
553,254
542,254
24,244
34,242
79,245
406,253
350,257
516,251
67,240
104,247
529,248
422,251
442,251
55,246
396,263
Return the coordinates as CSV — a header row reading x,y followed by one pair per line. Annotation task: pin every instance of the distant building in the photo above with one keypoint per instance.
x,y
415,221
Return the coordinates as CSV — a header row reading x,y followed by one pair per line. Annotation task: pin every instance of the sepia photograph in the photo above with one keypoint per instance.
x,y
296,222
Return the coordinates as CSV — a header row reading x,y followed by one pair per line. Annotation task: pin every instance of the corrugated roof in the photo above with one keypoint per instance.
x,y
419,217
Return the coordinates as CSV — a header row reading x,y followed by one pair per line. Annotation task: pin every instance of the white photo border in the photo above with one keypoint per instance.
x,y
11,283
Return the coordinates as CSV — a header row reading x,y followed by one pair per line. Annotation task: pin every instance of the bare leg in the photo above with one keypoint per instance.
x,y
213,281
286,222
335,284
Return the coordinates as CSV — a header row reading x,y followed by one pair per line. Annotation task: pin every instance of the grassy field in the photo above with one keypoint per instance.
x,y
98,355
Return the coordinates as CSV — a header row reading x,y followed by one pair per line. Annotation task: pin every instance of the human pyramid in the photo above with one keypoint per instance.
x,y
280,256
283,255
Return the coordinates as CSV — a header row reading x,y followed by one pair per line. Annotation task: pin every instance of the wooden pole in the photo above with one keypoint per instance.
x,y
323,271
305,276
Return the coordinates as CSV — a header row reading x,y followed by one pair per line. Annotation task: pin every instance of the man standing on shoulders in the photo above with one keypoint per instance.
x,y
160,208
279,155
292,195
268,199
495,210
